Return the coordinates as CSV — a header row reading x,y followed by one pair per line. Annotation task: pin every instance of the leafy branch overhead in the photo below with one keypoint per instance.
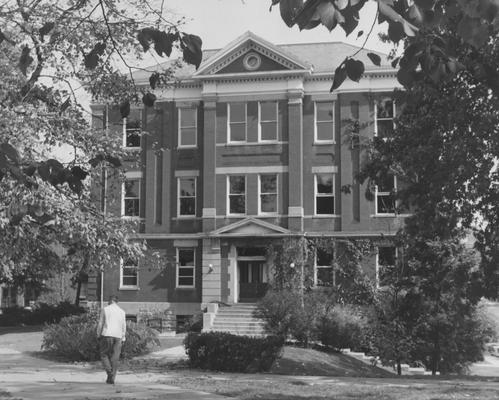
x,y
477,21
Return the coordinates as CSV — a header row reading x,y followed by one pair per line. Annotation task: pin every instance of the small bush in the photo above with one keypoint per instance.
x,y
220,351
75,338
40,314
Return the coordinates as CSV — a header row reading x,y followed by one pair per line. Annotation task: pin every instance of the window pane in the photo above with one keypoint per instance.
x,y
129,281
132,188
185,281
268,183
325,277
386,204
385,128
324,111
187,117
386,255
324,258
237,204
385,108
269,130
188,187
325,131
269,203
132,207
237,184
325,184
188,206
325,205
186,272
186,257
386,184
268,111
238,112
187,137
132,139
238,132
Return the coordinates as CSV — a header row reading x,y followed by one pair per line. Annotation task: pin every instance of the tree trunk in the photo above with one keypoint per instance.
x,y
78,292
399,368
436,355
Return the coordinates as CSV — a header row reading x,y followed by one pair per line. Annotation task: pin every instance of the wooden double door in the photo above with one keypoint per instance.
x,y
252,280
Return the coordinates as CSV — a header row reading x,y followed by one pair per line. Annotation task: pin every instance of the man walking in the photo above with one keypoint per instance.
x,y
111,331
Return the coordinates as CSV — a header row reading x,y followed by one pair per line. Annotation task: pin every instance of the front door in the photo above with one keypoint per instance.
x,y
252,285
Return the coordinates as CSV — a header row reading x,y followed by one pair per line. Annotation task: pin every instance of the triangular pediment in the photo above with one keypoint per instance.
x,y
248,54
251,227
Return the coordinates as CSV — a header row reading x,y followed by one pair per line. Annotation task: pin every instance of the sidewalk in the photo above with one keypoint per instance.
x,y
27,377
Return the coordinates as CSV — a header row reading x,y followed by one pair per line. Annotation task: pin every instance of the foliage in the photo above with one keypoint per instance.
x,y
425,56
75,338
220,351
39,314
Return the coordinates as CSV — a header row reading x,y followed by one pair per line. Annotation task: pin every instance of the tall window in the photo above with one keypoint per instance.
x,y
237,122
129,276
324,122
384,113
385,202
131,200
268,121
324,194
187,127
268,193
324,273
185,267
237,194
186,197
132,129
386,259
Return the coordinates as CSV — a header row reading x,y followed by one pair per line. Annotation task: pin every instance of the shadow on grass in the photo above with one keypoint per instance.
x,y
4,330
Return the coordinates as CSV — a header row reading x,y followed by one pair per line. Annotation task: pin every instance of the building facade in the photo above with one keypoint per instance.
x,y
249,149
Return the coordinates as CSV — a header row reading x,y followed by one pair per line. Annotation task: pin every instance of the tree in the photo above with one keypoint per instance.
x,y
477,21
51,51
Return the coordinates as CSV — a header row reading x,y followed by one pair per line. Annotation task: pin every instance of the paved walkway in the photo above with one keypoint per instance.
x,y
27,377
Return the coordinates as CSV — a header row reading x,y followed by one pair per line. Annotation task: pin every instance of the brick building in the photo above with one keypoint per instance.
x,y
250,148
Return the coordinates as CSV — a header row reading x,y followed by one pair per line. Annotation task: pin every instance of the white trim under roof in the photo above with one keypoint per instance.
x,y
264,169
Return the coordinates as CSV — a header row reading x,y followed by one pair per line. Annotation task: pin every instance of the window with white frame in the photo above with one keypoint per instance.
x,y
186,261
131,198
384,113
385,201
268,193
324,122
132,127
186,197
129,274
324,194
323,271
267,112
236,122
385,264
237,194
187,127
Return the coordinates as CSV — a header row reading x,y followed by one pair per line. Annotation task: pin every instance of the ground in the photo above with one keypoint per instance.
x,y
24,374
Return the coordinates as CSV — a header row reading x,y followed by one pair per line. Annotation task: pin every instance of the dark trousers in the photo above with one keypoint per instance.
x,y
110,349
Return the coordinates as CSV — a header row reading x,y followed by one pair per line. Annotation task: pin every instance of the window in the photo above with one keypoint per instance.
x,y
129,276
324,122
237,122
384,113
324,194
323,272
268,193
237,194
187,127
133,127
385,263
268,121
131,201
385,202
185,268
186,197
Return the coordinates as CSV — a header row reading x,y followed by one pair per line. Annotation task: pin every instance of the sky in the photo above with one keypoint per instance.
x,y
218,22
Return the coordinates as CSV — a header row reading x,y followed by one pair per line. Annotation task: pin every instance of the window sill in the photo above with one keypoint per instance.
x,y
326,216
131,148
185,287
187,147
324,143
129,288
393,215
130,218
186,217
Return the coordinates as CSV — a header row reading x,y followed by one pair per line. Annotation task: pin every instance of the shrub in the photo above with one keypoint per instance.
x,y
40,314
75,338
220,351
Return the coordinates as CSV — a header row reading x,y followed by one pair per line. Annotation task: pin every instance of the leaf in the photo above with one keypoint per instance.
x,y
29,170
289,9
25,60
154,80
355,69
163,43
395,62
329,15
425,4
75,185
10,151
45,29
473,31
96,160
114,161
79,173
395,31
340,74
406,77
341,4
2,37
125,109
375,59
65,105
144,37
415,14
92,59
359,34
191,46
148,99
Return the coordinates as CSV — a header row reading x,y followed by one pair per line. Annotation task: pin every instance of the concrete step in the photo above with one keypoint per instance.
x,y
239,320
